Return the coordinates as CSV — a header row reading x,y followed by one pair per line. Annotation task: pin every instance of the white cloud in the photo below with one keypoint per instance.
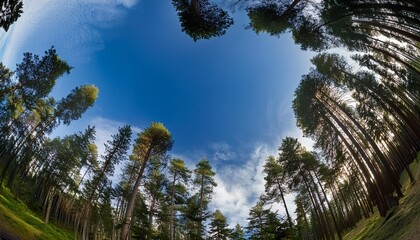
x,y
239,187
128,3
73,27
222,151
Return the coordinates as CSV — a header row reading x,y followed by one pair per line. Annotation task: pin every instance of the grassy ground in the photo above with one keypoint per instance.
x,y
401,223
17,220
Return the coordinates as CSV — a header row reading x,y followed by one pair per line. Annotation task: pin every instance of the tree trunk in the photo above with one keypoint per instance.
x,y
284,204
131,202
151,213
290,8
315,205
392,175
171,222
365,166
337,228
49,199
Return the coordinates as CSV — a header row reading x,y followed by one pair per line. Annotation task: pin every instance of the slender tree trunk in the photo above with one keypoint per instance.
x,y
315,205
49,199
131,202
200,224
337,228
151,213
365,166
385,163
171,222
290,8
284,204
414,37
324,210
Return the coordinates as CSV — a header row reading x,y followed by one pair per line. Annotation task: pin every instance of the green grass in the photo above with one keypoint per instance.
x,y
18,220
363,227
401,223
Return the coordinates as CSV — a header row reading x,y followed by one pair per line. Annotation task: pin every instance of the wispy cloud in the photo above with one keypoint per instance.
x,y
222,151
239,186
71,26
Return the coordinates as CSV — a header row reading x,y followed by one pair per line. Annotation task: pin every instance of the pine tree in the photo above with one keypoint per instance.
x,y
153,141
237,233
180,176
219,229
202,19
204,180
115,152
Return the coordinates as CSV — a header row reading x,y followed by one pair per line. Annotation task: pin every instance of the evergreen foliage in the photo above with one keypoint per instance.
x,y
10,11
202,19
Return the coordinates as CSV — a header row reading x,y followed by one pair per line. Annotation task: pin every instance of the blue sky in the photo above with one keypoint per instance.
x,y
227,99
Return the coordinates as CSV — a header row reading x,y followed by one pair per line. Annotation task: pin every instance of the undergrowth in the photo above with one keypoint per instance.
x,y
17,220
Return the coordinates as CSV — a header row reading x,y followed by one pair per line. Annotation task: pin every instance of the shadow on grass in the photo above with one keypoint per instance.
x,y
17,220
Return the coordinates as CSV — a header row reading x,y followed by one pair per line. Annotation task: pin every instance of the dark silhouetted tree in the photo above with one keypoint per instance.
x,y
10,11
202,19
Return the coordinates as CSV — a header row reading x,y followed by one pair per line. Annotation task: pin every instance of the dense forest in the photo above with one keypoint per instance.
x,y
362,112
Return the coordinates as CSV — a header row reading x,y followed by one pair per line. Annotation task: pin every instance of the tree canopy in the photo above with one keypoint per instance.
x,y
10,11
202,19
